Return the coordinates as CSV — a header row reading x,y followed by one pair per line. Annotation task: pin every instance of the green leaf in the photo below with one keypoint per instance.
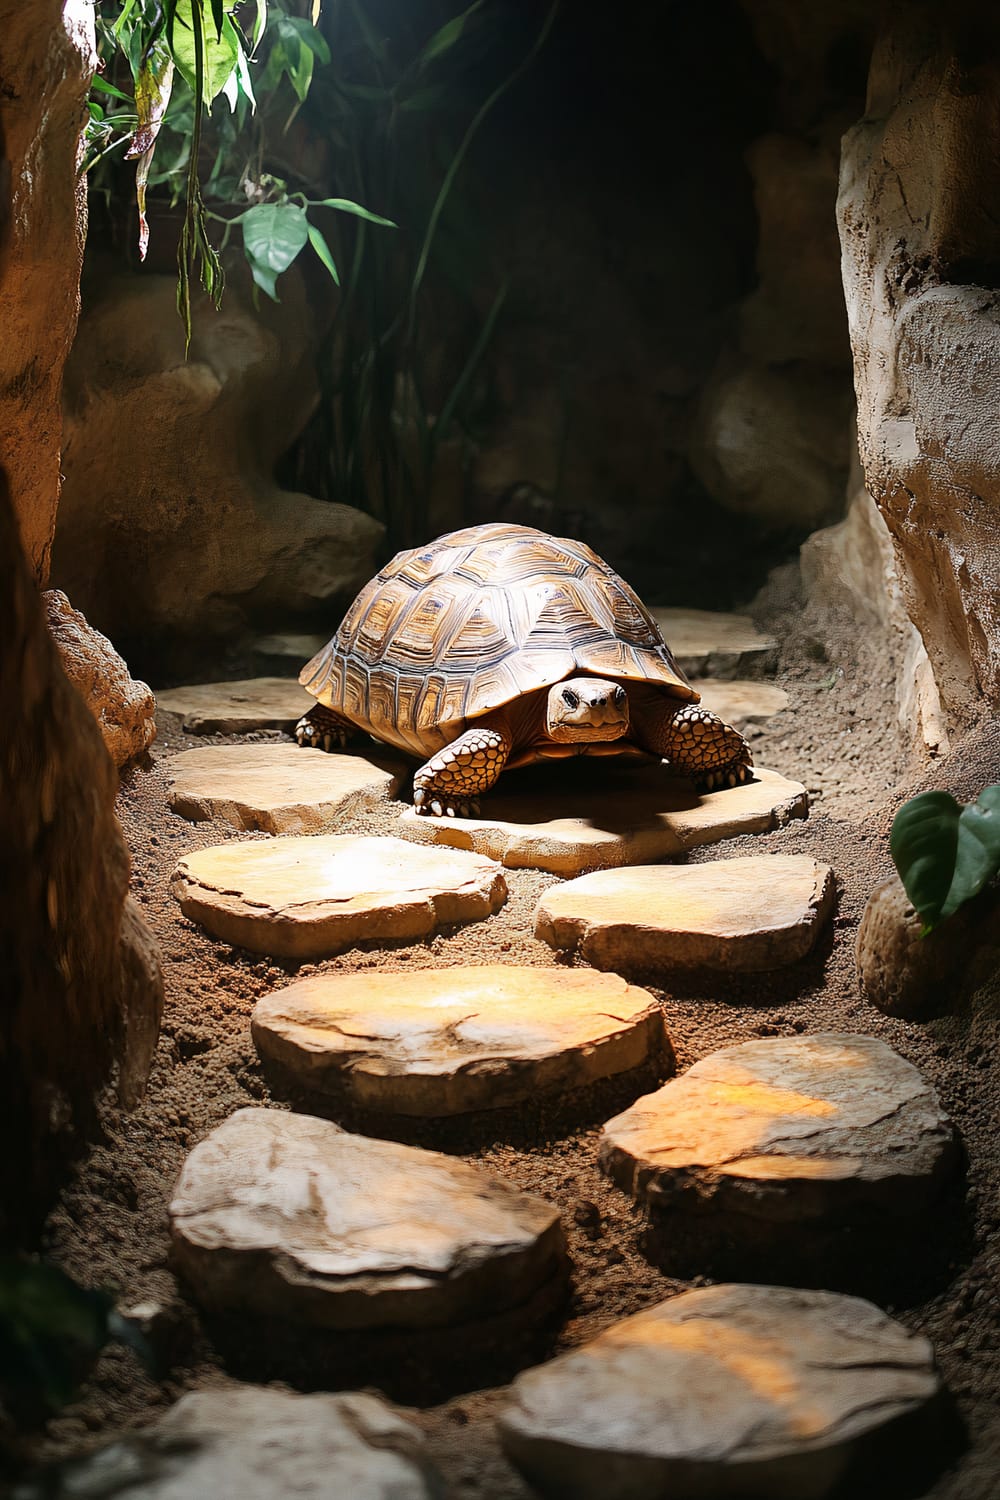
x,y
346,206
218,16
273,235
322,249
220,54
103,87
945,853
308,36
246,83
443,40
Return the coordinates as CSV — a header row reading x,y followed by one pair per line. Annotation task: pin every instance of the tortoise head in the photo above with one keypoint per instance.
x,y
586,709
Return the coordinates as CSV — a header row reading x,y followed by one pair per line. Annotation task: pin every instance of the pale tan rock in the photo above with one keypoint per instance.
x,y
585,819
448,1041
709,643
289,1216
237,707
277,788
728,1391
308,897
787,1130
287,652
258,1444
743,702
906,974
122,706
754,913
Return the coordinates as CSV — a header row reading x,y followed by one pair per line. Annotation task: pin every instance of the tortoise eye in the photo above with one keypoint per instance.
x,y
570,698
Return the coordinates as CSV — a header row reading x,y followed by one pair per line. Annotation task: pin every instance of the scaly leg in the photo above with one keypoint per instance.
x,y
698,743
449,783
322,729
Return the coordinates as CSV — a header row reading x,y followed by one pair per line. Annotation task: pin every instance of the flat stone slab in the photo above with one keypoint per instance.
x,y
755,913
728,1391
744,702
277,788
707,643
258,1444
439,1042
237,707
286,652
310,897
288,1216
585,819
787,1130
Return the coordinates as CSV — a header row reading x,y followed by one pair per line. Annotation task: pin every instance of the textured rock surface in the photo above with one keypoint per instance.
x,y
448,1041
122,707
46,61
81,983
237,707
171,528
277,788
632,816
708,643
920,247
307,897
736,914
831,1129
290,1216
259,1445
905,974
729,1391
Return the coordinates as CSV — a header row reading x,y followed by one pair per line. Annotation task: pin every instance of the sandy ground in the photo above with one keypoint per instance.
x,y
111,1227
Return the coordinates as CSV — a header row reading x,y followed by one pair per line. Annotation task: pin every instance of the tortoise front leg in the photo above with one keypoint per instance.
x,y
697,742
448,784
322,729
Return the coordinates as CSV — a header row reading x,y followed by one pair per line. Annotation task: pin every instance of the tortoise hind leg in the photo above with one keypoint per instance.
x,y
448,784
698,743
322,729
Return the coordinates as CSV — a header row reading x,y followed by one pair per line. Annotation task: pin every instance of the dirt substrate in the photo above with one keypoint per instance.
x,y
111,1228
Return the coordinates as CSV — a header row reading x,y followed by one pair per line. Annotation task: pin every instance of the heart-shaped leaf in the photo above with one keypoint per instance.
x,y
946,853
273,235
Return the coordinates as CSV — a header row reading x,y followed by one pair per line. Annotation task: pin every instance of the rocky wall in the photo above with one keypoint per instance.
x,y
46,62
920,237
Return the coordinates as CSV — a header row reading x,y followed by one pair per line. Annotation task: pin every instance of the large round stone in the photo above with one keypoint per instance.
x,y
237,707
737,914
277,788
257,1444
766,1152
730,1391
288,1216
448,1041
578,818
309,897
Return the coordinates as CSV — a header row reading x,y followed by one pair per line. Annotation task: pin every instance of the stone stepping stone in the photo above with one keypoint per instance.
x,y
237,707
310,897
286,653
436,1042
760,912
277,788
258,1444
290,1217
743,702
585,820
760,1145
706,643
728,1391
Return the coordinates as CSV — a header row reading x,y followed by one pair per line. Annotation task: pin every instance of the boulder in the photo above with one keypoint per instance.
x,y
437,1042
172,532
310,897
259,1444
725,1392
122,707
287,1216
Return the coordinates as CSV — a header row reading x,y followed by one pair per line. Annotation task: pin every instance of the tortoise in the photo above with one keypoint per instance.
x,y
499,645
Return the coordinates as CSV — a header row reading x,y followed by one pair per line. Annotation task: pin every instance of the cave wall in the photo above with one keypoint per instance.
x,y
920,235
46,61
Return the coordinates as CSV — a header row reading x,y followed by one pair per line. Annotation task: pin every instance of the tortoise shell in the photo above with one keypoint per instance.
x,y
449,631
